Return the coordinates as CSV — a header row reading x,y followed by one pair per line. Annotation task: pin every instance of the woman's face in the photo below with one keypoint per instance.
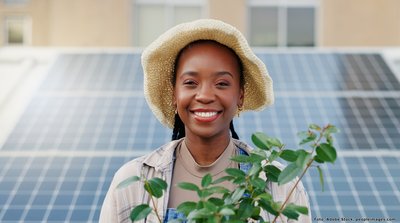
x,y
207,89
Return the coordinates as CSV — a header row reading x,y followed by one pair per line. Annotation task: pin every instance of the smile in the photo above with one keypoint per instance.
x,y
205,114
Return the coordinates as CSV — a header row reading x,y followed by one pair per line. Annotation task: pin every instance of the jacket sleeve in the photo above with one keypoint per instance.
x,y
109,209
300,197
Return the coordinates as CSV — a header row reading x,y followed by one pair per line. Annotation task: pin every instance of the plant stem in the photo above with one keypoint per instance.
x,y
154,204
292,190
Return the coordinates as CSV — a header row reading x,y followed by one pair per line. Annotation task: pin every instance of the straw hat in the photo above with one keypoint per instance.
x,y
158,61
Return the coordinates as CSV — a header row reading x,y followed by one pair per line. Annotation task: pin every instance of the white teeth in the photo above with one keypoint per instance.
x,y
205,114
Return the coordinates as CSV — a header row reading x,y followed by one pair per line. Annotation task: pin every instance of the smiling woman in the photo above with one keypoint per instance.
x,y
198,76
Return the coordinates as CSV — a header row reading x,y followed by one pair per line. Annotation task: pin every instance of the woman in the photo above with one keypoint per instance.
x,y
198,76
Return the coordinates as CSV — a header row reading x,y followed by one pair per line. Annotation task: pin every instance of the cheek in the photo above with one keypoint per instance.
x,y
181,97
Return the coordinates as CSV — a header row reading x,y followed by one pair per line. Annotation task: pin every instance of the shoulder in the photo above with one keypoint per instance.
x,y
242,145
158,159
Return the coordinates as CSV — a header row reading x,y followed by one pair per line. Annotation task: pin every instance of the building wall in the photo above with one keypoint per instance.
x,y
360,23
36,12
90,23
100,23
230,11
75,22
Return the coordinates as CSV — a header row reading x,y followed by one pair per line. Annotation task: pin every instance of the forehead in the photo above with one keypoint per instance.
x,y
209,49
207,44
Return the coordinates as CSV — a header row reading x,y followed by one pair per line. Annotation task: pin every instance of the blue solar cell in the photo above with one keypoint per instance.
x,y
347,201
19,199
341,186
80,215
35,214
369,201
6,186
13,214
41,200
84,200
63,200
57,215
362,185
3,198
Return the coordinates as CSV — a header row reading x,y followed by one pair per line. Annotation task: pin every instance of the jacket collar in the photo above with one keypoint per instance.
x,y
161,158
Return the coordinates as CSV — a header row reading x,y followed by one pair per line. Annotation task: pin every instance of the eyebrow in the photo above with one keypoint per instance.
x,y
194,73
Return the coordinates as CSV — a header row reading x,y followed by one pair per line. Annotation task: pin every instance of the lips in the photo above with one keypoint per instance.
x,y
203,115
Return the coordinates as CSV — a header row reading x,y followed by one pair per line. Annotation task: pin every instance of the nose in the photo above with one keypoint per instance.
x,y
205,94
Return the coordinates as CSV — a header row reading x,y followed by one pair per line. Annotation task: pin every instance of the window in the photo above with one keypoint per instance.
x,y
153,17
16,30
15,2
282,23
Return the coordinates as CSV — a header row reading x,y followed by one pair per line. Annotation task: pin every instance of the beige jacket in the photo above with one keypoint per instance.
x,y
118,203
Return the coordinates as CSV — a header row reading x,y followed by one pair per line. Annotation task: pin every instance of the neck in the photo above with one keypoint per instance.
x,y
206,150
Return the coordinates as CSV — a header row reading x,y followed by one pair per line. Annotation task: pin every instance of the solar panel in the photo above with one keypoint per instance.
x,y
89,116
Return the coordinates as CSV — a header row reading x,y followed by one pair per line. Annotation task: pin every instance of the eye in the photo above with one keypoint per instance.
x,y
189,82
223,84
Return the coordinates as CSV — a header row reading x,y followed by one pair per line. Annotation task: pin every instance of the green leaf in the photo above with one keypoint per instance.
x,y
154,187
222,179
314,127
267,197
256,213
273,156
311,136
290,213
272,172
216,201
159,182
245,209
260,140
326,152
236,195
226,212
274,142
255,169
235,172
128,181
303,157
331,129
289,173
318,160
258,183
188,186
218,190
210,206
255,158
199,214
241,158
300,209
140,212
288,155
207,179
186,207
321,177
268,206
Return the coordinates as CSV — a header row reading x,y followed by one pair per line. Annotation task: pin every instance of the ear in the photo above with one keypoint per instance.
x,y
241,97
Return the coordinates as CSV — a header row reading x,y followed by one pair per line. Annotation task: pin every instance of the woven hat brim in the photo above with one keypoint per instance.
x,y
159,57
